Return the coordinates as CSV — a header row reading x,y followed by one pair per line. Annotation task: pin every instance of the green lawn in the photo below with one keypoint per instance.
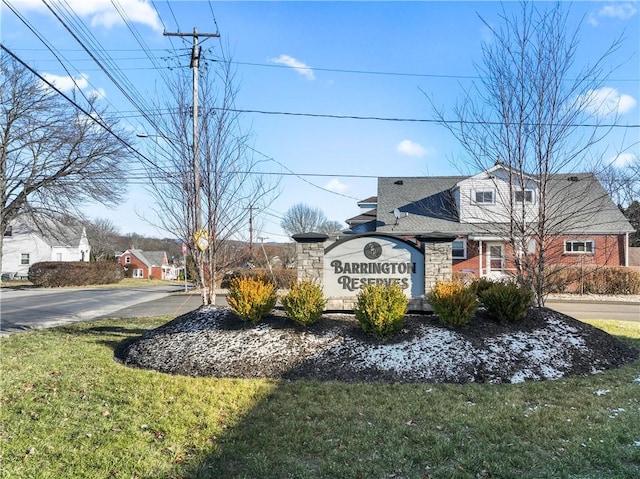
x,y
68,410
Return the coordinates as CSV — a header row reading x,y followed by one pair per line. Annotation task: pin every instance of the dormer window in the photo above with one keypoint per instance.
x,y
523,196
485,197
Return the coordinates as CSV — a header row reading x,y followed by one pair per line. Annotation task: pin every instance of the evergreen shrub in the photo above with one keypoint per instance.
x,y
55,274
251,298
507,302
481,284
380,309
454,303
304,303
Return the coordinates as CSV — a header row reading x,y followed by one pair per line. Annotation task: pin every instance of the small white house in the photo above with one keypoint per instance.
x,y
26,243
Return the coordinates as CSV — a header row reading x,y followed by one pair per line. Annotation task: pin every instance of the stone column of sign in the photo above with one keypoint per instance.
x,y
437,263
310,256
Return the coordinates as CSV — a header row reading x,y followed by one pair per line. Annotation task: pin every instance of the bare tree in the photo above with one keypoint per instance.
x,y
103,237
231,186
331,227
622,183
302,218
532,111
53,157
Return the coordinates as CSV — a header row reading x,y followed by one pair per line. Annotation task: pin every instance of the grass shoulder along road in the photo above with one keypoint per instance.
x,y
68,409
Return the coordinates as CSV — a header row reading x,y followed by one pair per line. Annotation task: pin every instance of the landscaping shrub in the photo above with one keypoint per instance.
x,y
52,274
454,303
507,302
593,280
284,278
481,284
304,303
380,309
251,298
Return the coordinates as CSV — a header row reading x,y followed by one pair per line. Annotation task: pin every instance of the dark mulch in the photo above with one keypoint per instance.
x,y
214,342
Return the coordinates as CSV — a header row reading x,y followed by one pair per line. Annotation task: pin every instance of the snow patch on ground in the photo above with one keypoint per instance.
x,y
209,343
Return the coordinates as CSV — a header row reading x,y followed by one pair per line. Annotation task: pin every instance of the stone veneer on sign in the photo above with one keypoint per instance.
x,y
436,253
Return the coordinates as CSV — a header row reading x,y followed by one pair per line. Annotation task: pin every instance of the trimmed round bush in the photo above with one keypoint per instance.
x,y
507,302
304,303
454,303
251,298
380,309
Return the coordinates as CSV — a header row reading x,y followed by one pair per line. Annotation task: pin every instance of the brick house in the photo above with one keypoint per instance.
x,y
584,226
146,264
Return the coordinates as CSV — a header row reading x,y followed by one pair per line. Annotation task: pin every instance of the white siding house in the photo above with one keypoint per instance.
x,y
24,244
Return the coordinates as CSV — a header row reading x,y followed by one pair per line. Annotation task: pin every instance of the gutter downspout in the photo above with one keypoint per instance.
x,y
626,250
480,258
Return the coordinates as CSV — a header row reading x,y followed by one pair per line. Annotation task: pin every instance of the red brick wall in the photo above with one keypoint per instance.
x,y
134,264
609,251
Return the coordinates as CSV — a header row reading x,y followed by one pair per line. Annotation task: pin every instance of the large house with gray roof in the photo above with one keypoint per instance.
x,y
484,212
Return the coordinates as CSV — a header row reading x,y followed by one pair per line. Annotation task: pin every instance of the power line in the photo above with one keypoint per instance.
x,y
94,117
354,71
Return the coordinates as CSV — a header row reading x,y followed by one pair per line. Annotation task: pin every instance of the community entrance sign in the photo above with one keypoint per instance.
x,y
345,265
353,262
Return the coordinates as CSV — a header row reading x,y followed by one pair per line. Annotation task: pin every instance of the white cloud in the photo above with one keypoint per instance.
x,y
623,11
622,160
410,148
607,101
66,84
336,185
102,12
98,93
620,11
302,68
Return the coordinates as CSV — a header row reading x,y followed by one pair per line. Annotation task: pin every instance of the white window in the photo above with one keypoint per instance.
x,y
24,258
525,196
579,246
127,259
459,249
484,197
137,273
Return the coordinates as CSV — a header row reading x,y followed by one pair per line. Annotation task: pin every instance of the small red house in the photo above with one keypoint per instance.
x,y
145,265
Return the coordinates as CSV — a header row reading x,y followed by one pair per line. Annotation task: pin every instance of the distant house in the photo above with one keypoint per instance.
x,y
586,227
26,243
147,264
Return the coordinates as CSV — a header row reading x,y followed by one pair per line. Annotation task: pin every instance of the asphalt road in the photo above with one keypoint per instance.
x,y
33,308
579,309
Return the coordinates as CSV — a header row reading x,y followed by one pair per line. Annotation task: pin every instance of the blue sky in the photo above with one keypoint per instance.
x,y
365,59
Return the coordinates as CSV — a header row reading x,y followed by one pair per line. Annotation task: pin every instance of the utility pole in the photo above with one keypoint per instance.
x,y
262,238
250,208
195,65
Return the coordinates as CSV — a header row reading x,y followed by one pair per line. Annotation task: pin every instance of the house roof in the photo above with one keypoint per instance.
x,y
425,203
577,204
372,200
364,217
53,232
149,258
